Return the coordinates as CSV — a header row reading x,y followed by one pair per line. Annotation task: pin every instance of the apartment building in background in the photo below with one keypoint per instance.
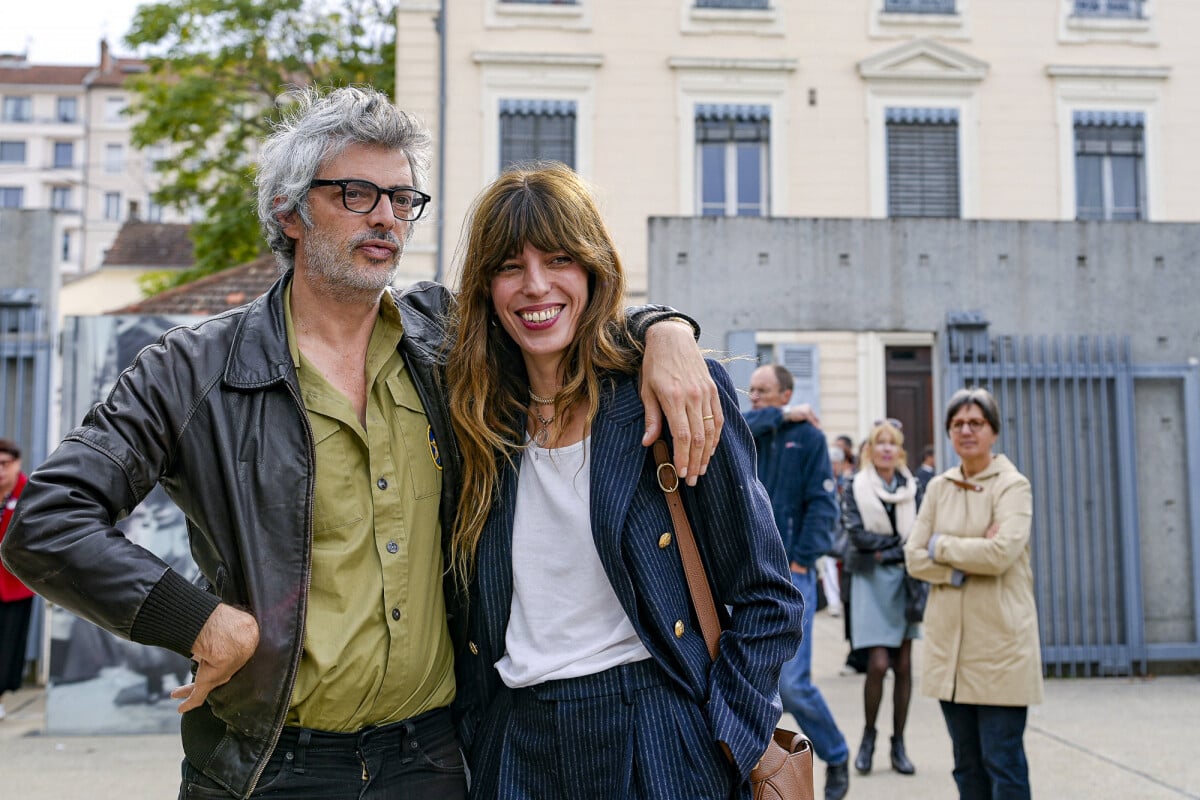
x,y
65,145
1023,109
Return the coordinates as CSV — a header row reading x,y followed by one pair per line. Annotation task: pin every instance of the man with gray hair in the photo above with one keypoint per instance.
x,y
306,438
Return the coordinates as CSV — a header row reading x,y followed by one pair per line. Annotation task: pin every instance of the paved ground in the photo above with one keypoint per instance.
x,y
1092,738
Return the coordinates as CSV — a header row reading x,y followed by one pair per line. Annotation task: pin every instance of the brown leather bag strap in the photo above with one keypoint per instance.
x,y
693,566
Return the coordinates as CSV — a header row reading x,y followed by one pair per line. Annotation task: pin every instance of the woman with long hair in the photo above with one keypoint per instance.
x,y
585,674
878,512
982,656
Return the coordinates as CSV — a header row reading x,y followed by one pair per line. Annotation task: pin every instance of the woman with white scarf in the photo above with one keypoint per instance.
x,y
878,514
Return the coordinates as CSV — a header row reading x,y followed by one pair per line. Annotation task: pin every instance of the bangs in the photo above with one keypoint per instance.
x,y
528,216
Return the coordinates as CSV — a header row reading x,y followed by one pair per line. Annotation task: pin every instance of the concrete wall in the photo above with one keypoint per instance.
x,y
883,278
27,254
906,274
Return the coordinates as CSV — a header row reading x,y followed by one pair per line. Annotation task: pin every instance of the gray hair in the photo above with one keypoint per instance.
x,y
320,128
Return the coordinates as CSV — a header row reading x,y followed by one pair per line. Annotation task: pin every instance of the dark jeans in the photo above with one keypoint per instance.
x,y
409,760
989,754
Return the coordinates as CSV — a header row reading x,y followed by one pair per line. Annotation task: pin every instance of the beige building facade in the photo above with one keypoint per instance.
x,y
960,109
637,80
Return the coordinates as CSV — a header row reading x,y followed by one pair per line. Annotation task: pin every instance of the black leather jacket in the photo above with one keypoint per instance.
x,y
213,413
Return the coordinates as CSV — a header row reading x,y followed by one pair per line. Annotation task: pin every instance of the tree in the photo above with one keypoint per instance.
x,y
218,72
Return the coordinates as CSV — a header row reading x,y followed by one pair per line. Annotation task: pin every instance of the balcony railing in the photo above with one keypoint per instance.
x,y
919,6
1118,9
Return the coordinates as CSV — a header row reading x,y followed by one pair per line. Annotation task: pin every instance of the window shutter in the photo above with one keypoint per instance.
x,y
803,361
922,154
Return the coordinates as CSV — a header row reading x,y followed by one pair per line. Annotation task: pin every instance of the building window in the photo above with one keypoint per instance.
x,y
114,158
541,130
731,159
543,2
64,155
1110,169
18,109
12,196
12,152
112,205
60,197
68,109
1120,9
922,162
154,211
756,4
114,109
919,6
66,246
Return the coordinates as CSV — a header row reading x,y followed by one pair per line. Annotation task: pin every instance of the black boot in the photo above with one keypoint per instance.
x,y
900,761
866,751
837,780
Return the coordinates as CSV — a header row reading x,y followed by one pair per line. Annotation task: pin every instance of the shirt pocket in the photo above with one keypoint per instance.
x,y
336,503
422,456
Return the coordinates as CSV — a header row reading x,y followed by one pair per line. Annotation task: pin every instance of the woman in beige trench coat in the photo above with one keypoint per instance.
x,y
982,657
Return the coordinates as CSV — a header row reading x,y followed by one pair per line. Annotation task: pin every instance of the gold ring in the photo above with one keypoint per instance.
x,y
710,416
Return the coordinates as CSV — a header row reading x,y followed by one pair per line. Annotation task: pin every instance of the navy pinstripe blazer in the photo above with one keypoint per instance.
x,y
735,529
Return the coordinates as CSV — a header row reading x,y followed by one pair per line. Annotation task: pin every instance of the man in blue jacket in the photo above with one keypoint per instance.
x,y
793,464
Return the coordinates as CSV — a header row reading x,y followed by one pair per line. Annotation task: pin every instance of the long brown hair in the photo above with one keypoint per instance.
x,y
548,206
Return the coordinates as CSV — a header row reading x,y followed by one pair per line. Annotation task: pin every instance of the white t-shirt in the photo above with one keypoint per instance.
x,y
566,620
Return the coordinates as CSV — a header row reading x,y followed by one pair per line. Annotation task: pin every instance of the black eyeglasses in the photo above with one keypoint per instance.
x,y
895,423
361,197
976,425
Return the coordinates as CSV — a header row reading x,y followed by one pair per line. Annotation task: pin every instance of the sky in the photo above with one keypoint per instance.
x,y
65,31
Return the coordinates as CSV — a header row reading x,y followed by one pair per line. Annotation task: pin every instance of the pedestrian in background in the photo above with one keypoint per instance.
x,y
16,599
793,463
982,656
878,513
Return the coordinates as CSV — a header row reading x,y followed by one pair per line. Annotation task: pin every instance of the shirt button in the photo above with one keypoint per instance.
x,y
396,614
678,629
664,540
381,483
392,547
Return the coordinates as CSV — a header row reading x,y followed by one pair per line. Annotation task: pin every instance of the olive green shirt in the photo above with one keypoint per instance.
x,y
376,645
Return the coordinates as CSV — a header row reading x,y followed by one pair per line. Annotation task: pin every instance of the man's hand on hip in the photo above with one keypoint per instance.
x,y
225,644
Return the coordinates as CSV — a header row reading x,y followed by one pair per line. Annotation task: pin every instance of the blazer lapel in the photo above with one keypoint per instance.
x,y
616,462
494,565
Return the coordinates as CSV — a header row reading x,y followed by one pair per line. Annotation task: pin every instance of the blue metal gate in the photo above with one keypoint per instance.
x,y
1068,424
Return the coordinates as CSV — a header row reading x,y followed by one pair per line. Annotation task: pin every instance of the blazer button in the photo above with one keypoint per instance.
x,y
678,629
473,648
664,540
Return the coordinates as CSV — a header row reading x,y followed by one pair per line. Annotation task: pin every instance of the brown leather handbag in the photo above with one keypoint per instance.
x,y
785,771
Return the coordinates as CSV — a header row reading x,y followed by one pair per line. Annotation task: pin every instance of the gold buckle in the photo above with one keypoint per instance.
x,y
674,474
